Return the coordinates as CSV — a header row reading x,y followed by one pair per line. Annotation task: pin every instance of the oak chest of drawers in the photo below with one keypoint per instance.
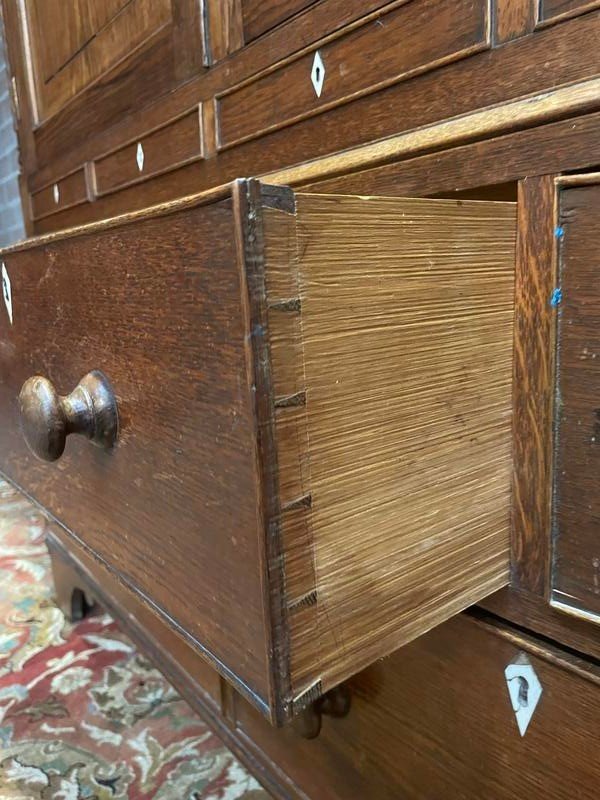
x,y
324,419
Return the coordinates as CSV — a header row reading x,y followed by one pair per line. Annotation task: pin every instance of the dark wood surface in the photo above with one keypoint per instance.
x,y
435,721
64,193
260,16
531,612
514,18
551,10
158,305
576,514
381,52
553,56
167,147
73,46
103,118
533,384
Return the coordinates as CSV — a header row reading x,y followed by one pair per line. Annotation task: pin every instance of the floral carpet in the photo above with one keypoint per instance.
x,y
83,716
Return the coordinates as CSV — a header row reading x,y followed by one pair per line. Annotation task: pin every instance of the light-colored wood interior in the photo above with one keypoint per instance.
x,y
391,325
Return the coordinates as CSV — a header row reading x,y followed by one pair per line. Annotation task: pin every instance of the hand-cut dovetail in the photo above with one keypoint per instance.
x,y
301,502
309,599
293,304
291,401
307,696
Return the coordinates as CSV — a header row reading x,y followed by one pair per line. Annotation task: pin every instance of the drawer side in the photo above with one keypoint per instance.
x,y
394,432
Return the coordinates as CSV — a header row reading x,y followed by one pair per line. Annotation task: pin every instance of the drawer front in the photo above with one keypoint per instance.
x,y
413,38
167,147
576,567
435,720
156,304
69,191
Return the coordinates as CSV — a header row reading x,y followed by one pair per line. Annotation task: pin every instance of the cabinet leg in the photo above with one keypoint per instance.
x,y
70,597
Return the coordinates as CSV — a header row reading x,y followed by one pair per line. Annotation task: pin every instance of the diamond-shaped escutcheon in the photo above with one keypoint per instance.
x,y
139,156
317,74
524,689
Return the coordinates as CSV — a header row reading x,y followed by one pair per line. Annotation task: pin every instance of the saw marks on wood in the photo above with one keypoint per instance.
x,y
405,332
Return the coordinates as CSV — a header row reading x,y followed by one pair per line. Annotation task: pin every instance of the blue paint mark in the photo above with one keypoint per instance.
x,y
559,232
556,298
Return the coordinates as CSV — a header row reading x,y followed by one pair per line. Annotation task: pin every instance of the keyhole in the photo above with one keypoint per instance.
x,y
523,691
318,73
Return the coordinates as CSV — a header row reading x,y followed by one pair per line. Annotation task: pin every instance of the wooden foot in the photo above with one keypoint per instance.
x,y
70,597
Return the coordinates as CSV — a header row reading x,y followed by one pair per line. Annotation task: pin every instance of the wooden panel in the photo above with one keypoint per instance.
x,y
81,121
435,721
552,10
514,18
407,370
97,40
564,145
551,57
65,28
156,302
576,563
261,15
64,193
173,144
533,382
223,28
381,52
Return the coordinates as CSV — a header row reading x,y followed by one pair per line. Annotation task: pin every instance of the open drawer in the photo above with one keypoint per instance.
x,y
312,462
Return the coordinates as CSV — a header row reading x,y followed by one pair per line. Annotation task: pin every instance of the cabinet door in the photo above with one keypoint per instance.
x,y
259,16
74,44
576,567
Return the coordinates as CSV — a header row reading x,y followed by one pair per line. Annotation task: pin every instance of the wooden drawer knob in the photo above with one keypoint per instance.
x,y
47,418
335,703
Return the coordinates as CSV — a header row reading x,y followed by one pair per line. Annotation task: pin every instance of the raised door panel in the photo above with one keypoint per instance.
x,y
73,44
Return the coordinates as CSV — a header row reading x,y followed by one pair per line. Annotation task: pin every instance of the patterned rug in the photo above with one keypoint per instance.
x,y
83,716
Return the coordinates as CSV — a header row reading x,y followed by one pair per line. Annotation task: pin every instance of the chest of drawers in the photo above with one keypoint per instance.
x,y
318,422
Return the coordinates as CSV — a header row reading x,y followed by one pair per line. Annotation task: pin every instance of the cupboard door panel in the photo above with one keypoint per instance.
x,y
74,44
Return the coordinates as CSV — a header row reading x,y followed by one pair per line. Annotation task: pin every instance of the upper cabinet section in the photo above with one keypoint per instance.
x,y
73,44
257,88
70,47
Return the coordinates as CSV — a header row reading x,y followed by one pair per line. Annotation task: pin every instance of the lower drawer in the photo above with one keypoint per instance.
x,y
435,720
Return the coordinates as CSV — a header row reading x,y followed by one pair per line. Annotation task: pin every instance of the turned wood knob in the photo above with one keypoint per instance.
x,y
47,418
335,703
